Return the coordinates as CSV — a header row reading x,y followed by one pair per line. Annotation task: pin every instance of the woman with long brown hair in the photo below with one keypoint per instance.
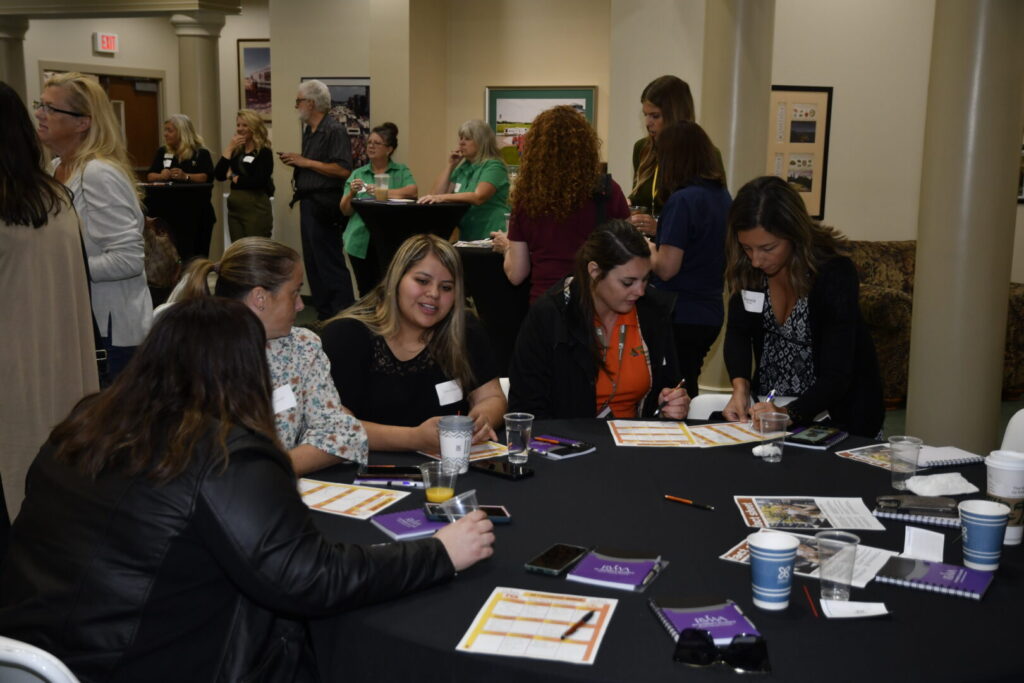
x,y
163,536
560,197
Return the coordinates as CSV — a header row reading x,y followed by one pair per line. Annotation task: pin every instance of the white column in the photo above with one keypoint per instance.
x,y
199,71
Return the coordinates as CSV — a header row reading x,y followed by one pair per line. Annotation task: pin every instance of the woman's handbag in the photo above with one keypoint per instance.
x,y
163,264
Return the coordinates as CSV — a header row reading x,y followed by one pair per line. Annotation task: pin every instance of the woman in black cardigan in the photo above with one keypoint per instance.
x,y
795,307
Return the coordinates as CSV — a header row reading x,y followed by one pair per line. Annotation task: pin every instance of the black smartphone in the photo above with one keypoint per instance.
x,y
557,559
498,514
502,468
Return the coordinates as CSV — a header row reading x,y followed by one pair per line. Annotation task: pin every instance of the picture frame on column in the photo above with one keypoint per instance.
x,y
799,122
254,76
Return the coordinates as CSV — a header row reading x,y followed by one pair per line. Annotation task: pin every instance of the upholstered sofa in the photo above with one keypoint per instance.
x,y
886,294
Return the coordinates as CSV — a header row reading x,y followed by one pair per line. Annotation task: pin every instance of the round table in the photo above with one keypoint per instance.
x,y
614,498
392,222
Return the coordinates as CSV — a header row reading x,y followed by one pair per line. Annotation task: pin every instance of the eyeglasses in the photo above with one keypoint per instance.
x,y
49,109
745,654
300,100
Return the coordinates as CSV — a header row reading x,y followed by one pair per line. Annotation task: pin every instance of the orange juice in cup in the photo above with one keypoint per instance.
x,y
438,481
439,494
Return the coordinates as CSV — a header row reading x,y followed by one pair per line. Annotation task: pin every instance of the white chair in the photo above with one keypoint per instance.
x,y
1013,437
703,405
24,663
504,385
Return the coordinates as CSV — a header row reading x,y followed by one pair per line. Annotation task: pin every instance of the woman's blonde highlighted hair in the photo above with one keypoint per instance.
x,y
189,141
252,119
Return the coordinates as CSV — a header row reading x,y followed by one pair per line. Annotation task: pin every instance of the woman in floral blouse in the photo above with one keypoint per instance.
x,y
267,276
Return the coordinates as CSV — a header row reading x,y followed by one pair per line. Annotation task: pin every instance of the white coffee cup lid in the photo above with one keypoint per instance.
x,y
1006,459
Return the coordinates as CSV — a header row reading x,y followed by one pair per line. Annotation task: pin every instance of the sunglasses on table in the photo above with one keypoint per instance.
x,y
745,654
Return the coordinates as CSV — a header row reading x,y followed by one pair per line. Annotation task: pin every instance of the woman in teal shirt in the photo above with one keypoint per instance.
x,y
477,175
381,144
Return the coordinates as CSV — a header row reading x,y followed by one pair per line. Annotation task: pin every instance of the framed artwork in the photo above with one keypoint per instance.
x,y
798,133
254,76
510,110
350,106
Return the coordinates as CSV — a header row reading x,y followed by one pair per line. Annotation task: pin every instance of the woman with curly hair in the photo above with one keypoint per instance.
x,y
560,197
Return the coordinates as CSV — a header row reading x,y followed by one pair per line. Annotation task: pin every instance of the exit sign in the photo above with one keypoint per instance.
x,y
104,42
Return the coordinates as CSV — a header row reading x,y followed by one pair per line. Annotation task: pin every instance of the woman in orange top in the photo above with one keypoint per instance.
x,y
600,344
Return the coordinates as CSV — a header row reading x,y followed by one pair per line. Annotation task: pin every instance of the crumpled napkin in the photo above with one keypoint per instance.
x,y
949,484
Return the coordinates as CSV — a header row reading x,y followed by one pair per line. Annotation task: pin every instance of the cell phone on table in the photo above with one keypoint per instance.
x,y
498,514
557,559
502,468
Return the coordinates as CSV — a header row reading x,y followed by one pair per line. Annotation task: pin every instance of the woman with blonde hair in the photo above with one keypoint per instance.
x,y
312,424
560,197
248,163
409,352
475,174
183,159
77,124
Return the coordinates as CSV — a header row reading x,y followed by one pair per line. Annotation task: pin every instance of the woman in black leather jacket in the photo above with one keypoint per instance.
x,y
162,536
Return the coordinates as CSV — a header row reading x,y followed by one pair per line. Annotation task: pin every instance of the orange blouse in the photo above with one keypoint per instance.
x,y
627,379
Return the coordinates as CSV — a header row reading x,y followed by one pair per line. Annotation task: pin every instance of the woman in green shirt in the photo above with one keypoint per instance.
x,y
477,175
381,144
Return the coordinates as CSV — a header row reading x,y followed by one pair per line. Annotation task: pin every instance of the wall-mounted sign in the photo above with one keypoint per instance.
x,y
104,42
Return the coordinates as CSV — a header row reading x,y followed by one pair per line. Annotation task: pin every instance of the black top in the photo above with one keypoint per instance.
x,y
127,580
378,387
254,170
553,374
847,381
329,144
201,162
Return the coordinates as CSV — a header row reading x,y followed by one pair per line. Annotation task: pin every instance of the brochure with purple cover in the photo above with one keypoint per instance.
x,y
407,524
615,569
939,577
721,618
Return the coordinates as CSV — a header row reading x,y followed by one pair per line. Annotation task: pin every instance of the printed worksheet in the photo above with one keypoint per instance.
x,y
806,512
516,622
725,434
479,451
348,500
653,433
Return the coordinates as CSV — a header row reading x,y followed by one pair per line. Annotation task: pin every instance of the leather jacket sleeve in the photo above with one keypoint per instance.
x,y
252,519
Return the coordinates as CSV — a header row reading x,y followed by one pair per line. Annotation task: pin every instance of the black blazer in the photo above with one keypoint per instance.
x,y
847,381
553,374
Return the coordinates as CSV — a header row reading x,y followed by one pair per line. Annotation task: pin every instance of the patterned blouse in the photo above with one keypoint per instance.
x,y
787,360
317,418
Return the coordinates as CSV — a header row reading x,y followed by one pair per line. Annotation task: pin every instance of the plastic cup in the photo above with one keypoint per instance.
x,y
772,428
455,433
438,481
1005,484
381,183
772,555
904,452
518,433
459,506
637,208
837,555
984,525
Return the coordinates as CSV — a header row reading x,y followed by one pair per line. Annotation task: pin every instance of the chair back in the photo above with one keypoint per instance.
x,y
703,405
24,663
1013,437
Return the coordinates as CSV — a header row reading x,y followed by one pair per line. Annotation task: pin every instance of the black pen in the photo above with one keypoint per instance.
x,y
657,413
575,627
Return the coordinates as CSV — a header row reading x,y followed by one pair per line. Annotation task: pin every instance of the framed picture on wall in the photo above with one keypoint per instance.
x,y
798,132
510,110
254,76
350,106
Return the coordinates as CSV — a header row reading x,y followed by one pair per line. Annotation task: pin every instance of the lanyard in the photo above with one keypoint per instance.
x,y
618,373
654,188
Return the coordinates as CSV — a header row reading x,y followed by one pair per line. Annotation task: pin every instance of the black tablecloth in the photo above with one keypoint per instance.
x,y
614,497
187,210
501,305
391,223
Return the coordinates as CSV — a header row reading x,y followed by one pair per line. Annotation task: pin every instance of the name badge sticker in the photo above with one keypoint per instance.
x,y
284,398
248,159
458,186
753,302
448,392
167,163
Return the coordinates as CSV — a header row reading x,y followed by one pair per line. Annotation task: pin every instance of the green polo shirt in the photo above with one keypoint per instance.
x,y
357,236
480,221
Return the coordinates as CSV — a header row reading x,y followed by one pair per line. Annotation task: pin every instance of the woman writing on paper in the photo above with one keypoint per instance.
x,y
311,422
163,537
600,342
248,163
381,144
795,307
560,197
475,174
408,352
688,255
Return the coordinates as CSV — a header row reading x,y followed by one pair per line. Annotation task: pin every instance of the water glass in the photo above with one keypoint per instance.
x,y
518,433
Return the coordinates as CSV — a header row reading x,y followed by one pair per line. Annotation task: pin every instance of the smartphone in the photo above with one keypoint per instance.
x,y
498,514
388,472
557,559
502,468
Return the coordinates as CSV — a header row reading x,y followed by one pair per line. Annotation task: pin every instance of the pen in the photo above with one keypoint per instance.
x,y
687,501
654,572
814,610
662,404
575,627
557,442
390,482
770,397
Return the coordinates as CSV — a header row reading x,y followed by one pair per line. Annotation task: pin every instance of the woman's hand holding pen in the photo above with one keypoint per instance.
x,y
674,403
765,407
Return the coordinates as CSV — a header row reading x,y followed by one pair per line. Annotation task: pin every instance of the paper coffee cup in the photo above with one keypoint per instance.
x,y
1005,484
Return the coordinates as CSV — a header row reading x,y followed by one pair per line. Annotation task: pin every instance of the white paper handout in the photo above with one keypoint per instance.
x,y
516,622
348,500
725,434
806,512
652,433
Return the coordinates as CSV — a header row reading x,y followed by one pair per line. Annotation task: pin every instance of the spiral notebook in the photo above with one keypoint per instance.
x,y
935,520
720,618
949,579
